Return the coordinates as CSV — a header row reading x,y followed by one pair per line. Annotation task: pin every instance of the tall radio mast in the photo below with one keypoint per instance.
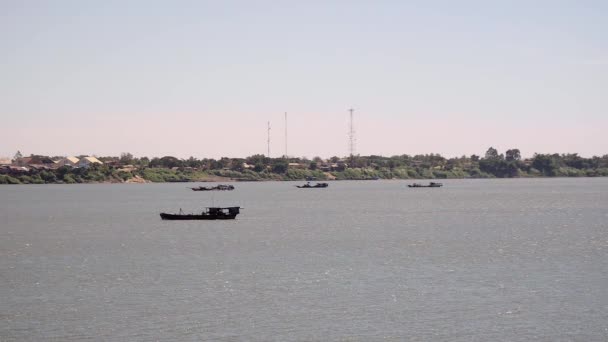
x,y
351,136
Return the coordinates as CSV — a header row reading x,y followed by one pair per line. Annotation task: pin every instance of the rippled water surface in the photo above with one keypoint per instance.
x,y
476,260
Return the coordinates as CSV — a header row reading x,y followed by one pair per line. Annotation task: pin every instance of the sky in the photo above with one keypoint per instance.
x,y
203,78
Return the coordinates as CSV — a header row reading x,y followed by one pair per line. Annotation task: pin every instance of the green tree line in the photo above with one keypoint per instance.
x,y
259,167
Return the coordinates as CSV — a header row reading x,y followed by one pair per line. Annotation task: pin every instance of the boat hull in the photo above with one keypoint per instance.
x,y
215,188
166,216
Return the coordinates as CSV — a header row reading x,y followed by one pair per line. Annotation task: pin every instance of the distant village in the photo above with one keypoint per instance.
x,y
26,164
39,169
23,165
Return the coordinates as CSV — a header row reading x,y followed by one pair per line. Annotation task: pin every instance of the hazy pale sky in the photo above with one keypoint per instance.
x,y
202,78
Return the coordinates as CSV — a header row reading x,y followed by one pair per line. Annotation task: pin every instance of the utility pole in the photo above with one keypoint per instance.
x,y
351,137
268,142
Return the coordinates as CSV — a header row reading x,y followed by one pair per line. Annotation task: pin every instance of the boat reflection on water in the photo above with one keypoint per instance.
x,y
430,185
308,186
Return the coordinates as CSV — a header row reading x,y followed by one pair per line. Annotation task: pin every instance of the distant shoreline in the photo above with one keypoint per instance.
x,y
128,169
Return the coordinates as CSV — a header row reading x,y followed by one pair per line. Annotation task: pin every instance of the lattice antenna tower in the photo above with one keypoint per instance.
x,y
352,139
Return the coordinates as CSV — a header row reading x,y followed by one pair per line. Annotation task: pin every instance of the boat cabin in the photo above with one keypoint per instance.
x,y
223,211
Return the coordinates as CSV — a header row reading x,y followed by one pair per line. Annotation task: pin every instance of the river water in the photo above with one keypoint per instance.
x,y
476,260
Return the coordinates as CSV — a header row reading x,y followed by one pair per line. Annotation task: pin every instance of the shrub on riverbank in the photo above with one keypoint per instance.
x,y
4,179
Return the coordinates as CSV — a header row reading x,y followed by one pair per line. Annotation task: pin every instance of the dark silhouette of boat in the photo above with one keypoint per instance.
x,y
430,185
220,187
211,213
308,186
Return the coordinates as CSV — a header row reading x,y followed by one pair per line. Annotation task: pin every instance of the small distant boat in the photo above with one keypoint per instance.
x,y
308,186
430,185
220,187
211,213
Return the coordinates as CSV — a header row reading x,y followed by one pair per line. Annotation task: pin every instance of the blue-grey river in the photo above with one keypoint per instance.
x,y
476,260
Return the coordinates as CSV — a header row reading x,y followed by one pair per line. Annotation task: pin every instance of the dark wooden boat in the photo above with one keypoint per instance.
x,y
430,185
220,187
316,186
211,213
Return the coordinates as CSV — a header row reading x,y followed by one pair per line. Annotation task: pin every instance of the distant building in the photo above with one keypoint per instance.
x,y
339,166
297,166
113,163
324,167
69,161
40,167
88,161
5,161
13,170
25,161
126,168
46,161
34,160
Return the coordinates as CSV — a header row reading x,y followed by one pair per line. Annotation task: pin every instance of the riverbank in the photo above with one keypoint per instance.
x,y
164,175
38,169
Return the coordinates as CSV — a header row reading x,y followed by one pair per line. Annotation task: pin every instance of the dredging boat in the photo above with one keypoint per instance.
x,y
308,186
221,187
430,185
210,213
